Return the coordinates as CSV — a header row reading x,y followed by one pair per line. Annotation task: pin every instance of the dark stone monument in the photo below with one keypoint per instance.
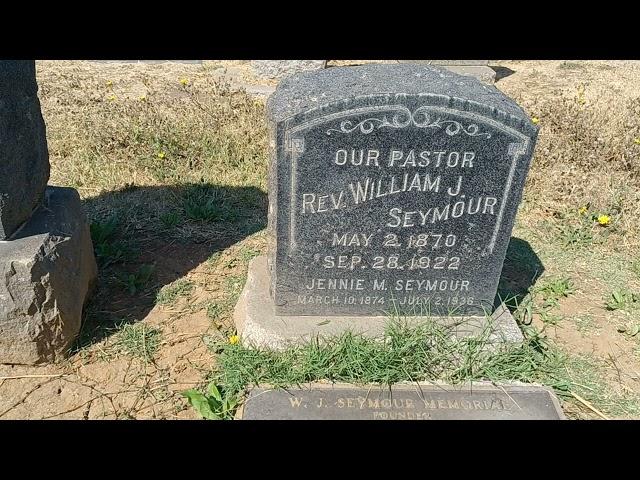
x,y
47,265
393,189
477,401
24,159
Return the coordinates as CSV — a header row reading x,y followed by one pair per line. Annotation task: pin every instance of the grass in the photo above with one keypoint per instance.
x,y
109,250
215,310
135,282
410,354
428,352
552,290
585,376
170,293
233,287
137,340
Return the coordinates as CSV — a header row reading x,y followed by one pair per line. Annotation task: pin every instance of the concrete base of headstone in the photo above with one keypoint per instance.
x,y
474,68
47,271
277,69
259,326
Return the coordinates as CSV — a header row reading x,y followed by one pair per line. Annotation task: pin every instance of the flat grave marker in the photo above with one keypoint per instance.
x,y
477,401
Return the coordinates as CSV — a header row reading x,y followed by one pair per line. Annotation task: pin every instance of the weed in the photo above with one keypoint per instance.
x,y
233,287
214,310
216,404
103,232
550,318
622,299
108,250
136,281
170,219
111,253
575,236
553,290
572,65
586,324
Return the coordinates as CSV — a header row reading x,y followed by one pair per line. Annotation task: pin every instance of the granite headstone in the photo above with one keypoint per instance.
x,y
393,188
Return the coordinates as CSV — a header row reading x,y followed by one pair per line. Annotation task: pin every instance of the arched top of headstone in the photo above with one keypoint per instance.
x,y
315,90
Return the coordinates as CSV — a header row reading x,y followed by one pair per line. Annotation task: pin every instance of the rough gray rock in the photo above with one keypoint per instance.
x,y
47,271
24,158
277,69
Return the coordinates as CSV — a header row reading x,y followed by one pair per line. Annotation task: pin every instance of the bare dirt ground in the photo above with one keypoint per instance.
x,y
112,375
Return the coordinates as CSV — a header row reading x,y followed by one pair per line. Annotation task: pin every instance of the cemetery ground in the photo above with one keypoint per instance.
x,y
171,162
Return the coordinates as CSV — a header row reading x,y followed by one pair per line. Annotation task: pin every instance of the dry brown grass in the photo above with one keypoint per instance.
x,y
587,151
111,127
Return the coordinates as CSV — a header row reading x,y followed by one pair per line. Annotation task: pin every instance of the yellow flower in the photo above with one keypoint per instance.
x,y
108,83
636,141
582,210
161,154
234,339
112,98
143,98
604,219
535,120
184,81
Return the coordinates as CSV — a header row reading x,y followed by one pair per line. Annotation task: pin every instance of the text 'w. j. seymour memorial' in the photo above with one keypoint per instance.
x,y
393,189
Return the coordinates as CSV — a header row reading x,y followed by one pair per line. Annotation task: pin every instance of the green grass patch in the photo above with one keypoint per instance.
x,y
424,353
208,204
170,293
137,340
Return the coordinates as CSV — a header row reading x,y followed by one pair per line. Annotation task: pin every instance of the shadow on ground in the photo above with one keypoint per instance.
x,y
502,72
148,237
522,268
